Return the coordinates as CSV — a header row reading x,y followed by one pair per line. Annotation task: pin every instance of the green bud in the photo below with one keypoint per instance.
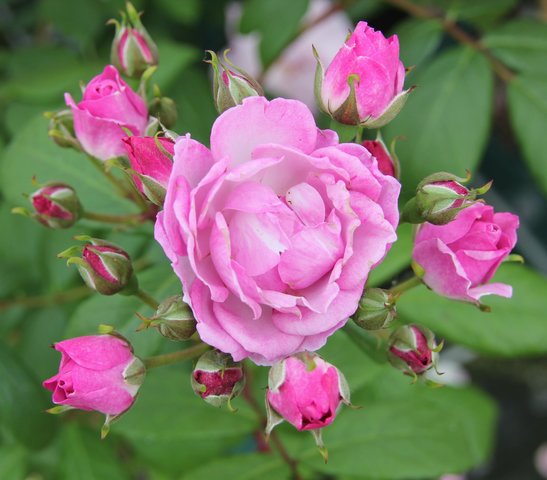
x,y
376,310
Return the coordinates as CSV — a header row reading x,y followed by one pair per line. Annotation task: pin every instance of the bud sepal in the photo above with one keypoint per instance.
x,y
173,319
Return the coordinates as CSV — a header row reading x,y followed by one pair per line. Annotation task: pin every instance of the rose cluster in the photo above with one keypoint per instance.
x,y
272,229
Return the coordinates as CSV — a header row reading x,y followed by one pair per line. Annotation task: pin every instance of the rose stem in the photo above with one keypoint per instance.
x,y
146,298
131,218
455,32
248,396
47,300
174,357
405,285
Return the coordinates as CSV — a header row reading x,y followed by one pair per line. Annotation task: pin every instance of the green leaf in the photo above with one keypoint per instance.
x,y
276,22
174,59
182,11
33,153
527,97
514,327
418,40
521,44
86,457
396,260
242,467
12,462
23,402
423,434
446,120
119,311
171,427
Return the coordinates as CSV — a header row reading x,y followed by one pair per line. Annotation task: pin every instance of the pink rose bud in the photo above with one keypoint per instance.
x,y
363,85
439,198
387,164
217,378
231,84
108,104
133,50
173,319
376,309
151,160
459,259
56,205
413,349
104,267
97,372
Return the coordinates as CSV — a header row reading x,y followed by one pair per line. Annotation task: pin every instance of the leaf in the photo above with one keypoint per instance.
x,y
86,457
446,120
521,44
276,22
174,59
396,260
527,97
418,40
515,326
423,434
23,402
119,311
33,153
186,12
12,462
249,466
171,427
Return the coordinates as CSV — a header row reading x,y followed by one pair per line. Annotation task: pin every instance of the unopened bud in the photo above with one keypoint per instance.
x,y
164,109
413,349
104,267
376,309
173,319
388,163
217,378
56,205
231,84
61,129
133,50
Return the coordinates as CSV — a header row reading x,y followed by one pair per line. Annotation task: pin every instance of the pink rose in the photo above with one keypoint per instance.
x,y
152,164
273,231
459,258
306,392
96,373
108,104
379,75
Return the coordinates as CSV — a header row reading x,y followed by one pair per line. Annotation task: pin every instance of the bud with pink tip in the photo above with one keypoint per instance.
x,y
133,50
97,372
217,378
56,205
151,160
388,163
307,392
413,349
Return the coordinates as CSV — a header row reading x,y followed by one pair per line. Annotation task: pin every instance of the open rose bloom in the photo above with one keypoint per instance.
x,y
274,229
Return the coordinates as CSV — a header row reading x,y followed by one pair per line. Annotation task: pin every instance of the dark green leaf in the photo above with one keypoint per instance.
x,y
527,96
183,11
23,402
515,326
446,120
418,40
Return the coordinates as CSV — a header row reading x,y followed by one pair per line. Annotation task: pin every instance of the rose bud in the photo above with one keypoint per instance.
x,y
217,378
363,85
376,309
151,160
413,349
108,104
56,205
457,260
231,84
173,319
387,164
104,267
97,372
61,129
133,50
307,392
439,197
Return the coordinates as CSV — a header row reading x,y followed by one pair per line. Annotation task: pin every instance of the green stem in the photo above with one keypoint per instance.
x,y
359,135
130,219
402,287
170,358
46,300
374,346
148,299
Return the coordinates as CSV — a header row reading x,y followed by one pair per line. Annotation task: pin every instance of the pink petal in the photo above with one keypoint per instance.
x,y
500,289
192,159
307,203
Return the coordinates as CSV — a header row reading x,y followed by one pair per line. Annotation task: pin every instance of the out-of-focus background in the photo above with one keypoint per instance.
x,y
481,104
